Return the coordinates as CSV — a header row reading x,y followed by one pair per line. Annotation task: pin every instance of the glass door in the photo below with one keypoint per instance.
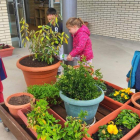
x,y
16,11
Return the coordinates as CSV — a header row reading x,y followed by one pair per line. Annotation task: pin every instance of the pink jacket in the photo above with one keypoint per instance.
x,y
82,44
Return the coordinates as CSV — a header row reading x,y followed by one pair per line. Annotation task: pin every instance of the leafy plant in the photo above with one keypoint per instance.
x,y
47,126
75,128
101,84
109,132
121,95
46,91
78,84
43,123
127,118
45,43
3,46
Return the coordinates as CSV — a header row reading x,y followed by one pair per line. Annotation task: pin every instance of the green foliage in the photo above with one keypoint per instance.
x,y
121,95
45,91
47,126
78,84
44,43
75,128
105,133
101,84
128,119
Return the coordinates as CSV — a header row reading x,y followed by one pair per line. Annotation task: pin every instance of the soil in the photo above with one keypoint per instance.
x,y
138,101
28,61
109,89
124,132
19,100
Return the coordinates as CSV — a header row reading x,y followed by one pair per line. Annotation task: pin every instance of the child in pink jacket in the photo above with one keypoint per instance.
x,y
82,45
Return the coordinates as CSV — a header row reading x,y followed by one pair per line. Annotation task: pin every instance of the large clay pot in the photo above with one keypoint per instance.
x,y
13,109
135,97
39,75
6,52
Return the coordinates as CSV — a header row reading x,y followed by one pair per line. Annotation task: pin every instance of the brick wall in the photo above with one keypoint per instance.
x,y
5,36
113,18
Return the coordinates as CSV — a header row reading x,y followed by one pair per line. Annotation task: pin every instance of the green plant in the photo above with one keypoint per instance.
x,y
43,123
101,84
121,95
75,128
109,132
78,84
3,46
45,91
127,118
45,43
47,126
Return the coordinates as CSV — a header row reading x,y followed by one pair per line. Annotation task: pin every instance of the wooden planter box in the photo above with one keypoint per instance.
x,y
93,129
14,127
6,52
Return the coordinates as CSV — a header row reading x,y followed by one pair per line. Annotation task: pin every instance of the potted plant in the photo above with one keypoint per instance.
x,y
46,91
41,65
44,123
78,90
6,50
126,117
18,101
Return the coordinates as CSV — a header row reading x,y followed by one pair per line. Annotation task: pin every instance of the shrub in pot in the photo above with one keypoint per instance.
x,y
45,91
78,90
41,65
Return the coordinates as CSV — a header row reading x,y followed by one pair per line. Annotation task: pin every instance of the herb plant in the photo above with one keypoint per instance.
x,y
47,126
121,95
46,91
45,43
127,118
78,84
109,132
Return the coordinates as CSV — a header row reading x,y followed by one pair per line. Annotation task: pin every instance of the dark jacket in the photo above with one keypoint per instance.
x,y
3,74
57,28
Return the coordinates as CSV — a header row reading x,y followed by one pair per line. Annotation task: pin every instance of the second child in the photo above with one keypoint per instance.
x,y
82,45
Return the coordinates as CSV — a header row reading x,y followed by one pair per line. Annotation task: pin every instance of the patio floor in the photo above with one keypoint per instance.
x,y
112,55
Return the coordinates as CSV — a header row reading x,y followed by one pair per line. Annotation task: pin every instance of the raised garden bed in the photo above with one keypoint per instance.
x,y
22,132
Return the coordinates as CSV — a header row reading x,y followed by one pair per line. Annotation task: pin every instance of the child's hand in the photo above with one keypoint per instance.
x,y
127,79
69,57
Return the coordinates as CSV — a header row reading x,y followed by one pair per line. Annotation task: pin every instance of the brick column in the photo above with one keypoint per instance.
x,y
5,36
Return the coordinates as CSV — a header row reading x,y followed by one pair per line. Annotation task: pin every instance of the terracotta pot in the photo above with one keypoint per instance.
x,y
22,113
39,75
135,97
6,52
87,67
14,108
93,129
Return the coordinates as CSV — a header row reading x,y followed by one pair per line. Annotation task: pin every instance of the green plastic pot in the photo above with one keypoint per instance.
x,y
73,107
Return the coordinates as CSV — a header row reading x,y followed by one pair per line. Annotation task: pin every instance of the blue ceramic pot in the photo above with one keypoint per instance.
x,y
73,107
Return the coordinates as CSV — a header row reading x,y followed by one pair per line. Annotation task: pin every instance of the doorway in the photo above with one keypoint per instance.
x,y
16,11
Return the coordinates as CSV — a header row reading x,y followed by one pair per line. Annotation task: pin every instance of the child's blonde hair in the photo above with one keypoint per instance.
x,y
75,21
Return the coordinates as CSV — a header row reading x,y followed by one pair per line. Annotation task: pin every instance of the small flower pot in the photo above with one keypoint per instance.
x,y
135,97
93,129
13,109
22,112
6,52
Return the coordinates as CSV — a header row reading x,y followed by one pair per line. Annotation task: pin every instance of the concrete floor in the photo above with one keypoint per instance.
x,y
112,56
